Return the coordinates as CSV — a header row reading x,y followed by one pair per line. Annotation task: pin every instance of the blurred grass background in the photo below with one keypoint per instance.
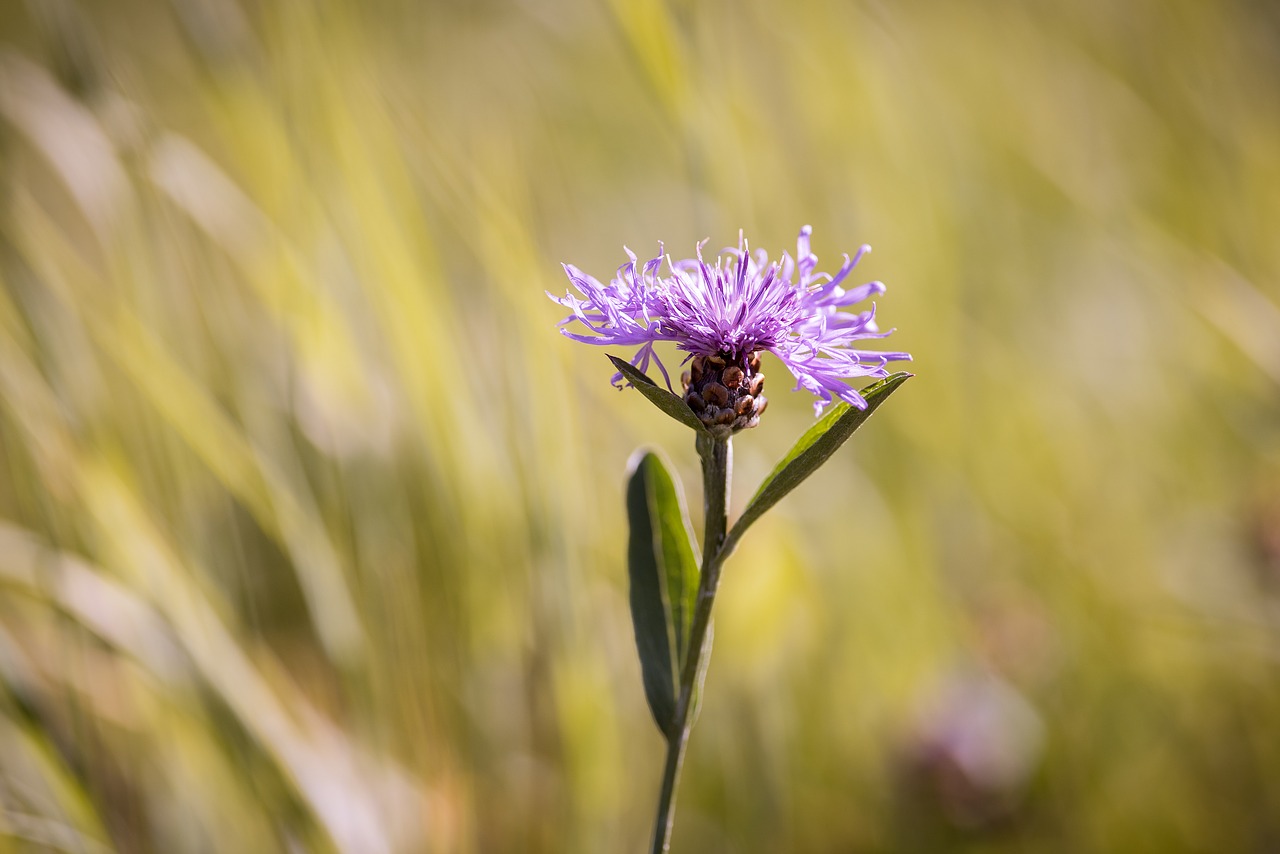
x,y
311,527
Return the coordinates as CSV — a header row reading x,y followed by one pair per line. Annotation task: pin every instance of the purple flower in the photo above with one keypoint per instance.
x,y
724,315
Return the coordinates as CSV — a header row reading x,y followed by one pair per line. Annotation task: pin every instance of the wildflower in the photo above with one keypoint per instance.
x,y
724,316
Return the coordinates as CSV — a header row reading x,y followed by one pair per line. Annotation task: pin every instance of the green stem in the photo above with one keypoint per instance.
x,y
717,471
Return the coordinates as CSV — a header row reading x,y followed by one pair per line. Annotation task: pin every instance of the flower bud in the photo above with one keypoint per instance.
x,y
725,392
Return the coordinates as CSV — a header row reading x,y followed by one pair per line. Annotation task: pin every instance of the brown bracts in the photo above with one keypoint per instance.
x,y
725,393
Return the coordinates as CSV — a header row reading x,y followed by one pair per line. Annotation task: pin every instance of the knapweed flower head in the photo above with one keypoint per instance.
x,y
724,315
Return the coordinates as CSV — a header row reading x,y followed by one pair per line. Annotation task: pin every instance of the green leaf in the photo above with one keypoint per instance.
x,y
664,581
813,449
666,401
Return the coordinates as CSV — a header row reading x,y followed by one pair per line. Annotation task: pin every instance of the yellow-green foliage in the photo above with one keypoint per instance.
x,y
312,528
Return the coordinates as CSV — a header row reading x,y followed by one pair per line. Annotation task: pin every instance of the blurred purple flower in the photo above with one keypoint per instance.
x,y
732,310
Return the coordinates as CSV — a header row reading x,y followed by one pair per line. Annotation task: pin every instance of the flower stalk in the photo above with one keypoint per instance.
x,y
717,475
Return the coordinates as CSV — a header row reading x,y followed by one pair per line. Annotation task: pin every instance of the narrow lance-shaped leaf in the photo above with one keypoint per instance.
x,y
659,397
814,448
664,575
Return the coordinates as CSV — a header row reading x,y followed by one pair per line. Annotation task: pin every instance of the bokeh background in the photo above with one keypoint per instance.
x,y
311,526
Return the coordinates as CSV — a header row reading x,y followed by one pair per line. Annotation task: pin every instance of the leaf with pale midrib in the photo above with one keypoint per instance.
x,y
666,401
814,448
663,572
